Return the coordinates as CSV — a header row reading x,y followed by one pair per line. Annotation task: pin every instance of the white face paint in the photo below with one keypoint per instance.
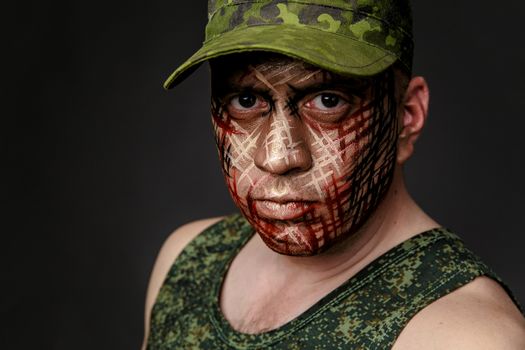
x,y
307,155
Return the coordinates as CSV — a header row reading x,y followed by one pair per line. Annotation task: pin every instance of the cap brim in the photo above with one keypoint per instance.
x,y
334,52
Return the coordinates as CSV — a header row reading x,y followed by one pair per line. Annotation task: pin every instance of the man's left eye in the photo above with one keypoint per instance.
x,y
326,102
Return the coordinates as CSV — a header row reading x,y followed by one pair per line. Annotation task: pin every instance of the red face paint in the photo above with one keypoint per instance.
x,y
306,160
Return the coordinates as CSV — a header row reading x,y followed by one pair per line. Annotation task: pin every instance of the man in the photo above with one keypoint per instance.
x,y
315,112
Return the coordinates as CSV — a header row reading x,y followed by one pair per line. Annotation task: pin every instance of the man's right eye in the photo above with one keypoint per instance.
x,y
247,101
246,105
244,101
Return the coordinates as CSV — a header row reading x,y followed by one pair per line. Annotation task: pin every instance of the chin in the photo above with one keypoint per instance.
x,y
307,237
289,238
288,248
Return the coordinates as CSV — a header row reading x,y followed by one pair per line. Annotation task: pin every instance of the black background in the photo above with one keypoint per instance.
x,y
102,164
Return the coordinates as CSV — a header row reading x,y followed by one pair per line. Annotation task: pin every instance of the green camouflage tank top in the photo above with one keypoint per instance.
x,y
366,312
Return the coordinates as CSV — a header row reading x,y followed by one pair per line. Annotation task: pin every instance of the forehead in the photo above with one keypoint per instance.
x,y
258,69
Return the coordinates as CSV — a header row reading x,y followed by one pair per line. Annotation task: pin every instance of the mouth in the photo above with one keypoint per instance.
x,y
283,210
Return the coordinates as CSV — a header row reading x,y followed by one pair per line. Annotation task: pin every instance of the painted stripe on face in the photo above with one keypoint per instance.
x,y
281,144
350,167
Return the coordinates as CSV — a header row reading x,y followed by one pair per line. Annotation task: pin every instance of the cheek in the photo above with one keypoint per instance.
x,y
338,173
339,179
236,149
361,175
336,150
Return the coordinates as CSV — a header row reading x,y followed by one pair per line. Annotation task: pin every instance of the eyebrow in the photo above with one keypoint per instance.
x,y
355,88
221,92
229,87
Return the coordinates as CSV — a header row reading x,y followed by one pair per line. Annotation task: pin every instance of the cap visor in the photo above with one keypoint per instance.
x,y
334,52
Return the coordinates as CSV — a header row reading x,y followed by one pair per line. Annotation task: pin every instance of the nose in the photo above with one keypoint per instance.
x,y
283,148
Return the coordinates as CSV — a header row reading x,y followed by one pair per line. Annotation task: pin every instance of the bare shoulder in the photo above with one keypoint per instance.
x,y
171,248
169,251
479,315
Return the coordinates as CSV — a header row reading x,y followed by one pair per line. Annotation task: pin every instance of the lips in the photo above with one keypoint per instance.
x,y
283,210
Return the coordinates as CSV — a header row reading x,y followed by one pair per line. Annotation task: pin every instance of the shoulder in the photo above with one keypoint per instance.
x,y
479,315
169,251
173,246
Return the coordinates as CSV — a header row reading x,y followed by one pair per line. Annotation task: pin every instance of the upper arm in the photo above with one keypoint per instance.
x,y
477,316
171,248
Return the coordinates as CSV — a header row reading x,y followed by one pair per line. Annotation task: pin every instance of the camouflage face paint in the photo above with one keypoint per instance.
x,y
307,155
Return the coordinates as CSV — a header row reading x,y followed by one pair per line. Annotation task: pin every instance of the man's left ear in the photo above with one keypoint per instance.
x,y
414,112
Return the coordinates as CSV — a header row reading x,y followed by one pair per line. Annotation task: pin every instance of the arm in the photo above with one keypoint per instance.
x,y
167,255
477,316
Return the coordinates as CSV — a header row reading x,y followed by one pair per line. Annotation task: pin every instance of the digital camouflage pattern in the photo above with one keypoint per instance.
x,y
348,37
367,312
382,23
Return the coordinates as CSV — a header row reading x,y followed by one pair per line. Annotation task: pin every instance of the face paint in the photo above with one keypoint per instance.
x,y
307,155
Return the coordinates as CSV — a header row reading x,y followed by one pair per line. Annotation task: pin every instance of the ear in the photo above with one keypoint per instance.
x,y
413,115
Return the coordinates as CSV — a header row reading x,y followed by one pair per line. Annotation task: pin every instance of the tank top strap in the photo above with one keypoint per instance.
x,y
407,279
368,311
179,317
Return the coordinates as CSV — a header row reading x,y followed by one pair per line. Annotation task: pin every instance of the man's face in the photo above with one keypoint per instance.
x,y
307,155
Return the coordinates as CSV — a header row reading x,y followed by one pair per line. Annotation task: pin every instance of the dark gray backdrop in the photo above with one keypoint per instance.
x,y
103,164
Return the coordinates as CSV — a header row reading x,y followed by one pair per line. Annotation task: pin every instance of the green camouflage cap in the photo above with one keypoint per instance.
x,y
348,37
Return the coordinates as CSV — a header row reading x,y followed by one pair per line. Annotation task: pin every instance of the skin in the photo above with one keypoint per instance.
x,y
266,288
307,155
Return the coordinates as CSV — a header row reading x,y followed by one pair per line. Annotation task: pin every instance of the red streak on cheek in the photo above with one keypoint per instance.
x,y
312,237
251,208
225,124
343,133
342,141
232,185
337,194
360,127
340,192
325,229
362,109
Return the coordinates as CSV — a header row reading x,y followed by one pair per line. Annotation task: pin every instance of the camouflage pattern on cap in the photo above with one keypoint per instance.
x,y
349,37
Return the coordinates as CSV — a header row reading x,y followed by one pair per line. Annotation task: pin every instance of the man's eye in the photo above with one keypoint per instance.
x,y
329,107
326,102
245,101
